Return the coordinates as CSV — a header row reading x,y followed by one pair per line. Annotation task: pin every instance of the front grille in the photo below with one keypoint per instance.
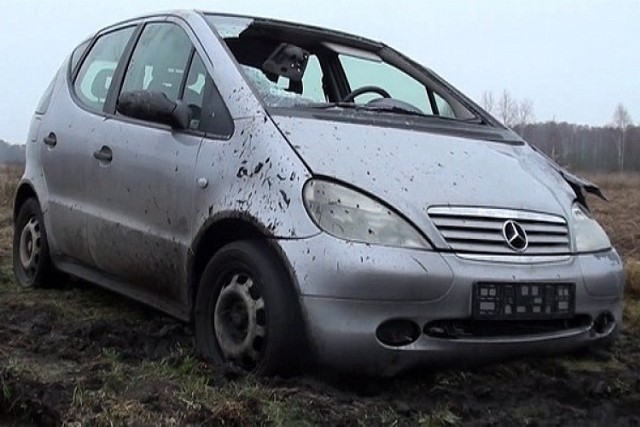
x,y
480,230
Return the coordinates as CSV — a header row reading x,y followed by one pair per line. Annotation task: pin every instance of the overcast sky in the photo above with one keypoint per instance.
x,y
574,59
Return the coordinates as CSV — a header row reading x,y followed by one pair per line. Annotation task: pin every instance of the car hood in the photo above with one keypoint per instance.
x,y
414,170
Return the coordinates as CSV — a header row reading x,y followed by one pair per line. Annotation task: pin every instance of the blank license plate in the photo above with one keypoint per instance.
x,y
520,301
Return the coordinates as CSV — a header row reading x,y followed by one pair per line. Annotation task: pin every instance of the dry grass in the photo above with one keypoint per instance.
x,y
9,177
633,278
632,297
613,181
620,217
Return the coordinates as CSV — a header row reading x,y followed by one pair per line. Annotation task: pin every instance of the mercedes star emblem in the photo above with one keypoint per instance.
x,y
515,236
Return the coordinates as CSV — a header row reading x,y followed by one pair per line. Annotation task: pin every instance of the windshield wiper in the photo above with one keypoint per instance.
x,y
389,109
353,106
395,109
327,105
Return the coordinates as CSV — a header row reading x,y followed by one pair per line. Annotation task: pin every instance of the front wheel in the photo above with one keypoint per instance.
x,y
247,313
32,265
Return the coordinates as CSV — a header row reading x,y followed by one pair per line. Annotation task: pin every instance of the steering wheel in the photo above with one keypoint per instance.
x,y
365,89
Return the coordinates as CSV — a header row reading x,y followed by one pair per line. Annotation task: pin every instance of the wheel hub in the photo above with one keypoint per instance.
x,y
30,245
239,321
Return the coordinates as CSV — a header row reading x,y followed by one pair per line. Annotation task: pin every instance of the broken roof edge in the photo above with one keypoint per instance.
x,y
308,28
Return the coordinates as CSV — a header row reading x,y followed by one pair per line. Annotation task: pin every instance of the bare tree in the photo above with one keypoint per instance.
x,y
507,109
488,103
621,117
525,115
513,113
621,121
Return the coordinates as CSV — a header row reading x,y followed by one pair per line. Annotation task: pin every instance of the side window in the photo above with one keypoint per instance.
x,y
444,108
207,110
94,78
76,55
159,60
367,72
312,80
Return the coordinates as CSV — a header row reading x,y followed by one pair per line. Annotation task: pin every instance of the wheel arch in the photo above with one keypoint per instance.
x,y
24,192
220,231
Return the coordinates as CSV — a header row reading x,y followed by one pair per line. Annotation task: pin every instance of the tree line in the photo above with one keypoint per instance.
x,y
611,148
11,154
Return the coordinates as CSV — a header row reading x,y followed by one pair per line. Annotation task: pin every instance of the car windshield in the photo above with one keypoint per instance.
x,y
292,66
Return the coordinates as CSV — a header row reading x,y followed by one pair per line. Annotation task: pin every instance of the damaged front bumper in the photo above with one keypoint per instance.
x,y
350,292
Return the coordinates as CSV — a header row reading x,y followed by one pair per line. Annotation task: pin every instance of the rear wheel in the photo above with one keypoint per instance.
x,y
247,313
32,265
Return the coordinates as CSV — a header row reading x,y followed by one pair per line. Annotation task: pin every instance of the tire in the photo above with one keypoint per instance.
x,y
32,265
247,313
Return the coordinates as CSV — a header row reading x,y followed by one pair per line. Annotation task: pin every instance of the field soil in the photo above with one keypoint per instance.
x,y
78,355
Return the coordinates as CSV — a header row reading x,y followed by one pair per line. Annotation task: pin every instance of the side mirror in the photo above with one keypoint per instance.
x,y
153,107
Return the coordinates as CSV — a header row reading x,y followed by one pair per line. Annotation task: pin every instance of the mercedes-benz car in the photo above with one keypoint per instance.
x,y
305,195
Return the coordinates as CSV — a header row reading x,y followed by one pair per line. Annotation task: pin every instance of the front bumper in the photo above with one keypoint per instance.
x,y
349,289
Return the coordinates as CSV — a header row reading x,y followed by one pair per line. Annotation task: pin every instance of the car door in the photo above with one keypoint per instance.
x,y
143,175
66,133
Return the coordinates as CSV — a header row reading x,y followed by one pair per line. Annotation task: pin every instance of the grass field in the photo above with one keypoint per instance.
x,y
79,355
9,176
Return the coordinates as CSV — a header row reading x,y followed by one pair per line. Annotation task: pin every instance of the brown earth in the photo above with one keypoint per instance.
x,y
78,355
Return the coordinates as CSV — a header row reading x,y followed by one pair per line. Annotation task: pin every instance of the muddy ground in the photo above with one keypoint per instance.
x,y
78,355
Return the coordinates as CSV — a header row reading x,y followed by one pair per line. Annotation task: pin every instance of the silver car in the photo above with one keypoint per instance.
x,y
301,194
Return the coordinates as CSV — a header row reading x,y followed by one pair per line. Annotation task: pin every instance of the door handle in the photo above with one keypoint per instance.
x,y
104,154
51,140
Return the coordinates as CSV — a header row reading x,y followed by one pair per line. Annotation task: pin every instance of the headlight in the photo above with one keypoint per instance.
x,y
590,236
350,215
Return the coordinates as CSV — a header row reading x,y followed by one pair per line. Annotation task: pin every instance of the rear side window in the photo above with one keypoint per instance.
x,y
76,55
94,77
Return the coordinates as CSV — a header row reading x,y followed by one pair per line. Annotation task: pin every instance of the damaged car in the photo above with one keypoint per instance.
x,y
301,194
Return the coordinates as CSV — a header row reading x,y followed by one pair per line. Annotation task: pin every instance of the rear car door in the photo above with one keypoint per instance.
x,y
141,231
65,134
